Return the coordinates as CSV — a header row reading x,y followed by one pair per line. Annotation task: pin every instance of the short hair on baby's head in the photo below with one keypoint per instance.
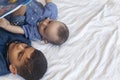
x,y
63,34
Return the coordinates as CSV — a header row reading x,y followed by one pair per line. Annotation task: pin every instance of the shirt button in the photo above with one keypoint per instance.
x,y
32,18
35,10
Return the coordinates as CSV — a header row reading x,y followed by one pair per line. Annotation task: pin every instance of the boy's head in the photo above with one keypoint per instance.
x,y
26,61
53,31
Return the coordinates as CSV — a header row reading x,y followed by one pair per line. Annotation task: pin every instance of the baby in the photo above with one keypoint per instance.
x,y
37,22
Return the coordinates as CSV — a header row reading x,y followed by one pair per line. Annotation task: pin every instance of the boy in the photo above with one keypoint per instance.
x,y
33,21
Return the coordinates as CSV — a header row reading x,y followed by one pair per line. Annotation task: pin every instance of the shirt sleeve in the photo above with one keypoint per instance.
x,y
31,32
28,30
3,37
3,42
3,65
50,10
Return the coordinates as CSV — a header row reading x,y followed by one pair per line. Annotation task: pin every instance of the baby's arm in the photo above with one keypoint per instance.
x,y
20,11
5,24
47,1
50,10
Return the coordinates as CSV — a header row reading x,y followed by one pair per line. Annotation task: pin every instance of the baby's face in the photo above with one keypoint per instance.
x,y
49,29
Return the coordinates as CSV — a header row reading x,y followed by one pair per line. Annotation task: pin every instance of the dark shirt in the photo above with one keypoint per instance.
x,y
5,39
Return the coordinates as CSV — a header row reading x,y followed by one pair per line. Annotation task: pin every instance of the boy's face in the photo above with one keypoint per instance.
x,y
49,29
18,53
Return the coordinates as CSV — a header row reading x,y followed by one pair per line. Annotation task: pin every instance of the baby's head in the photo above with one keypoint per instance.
x,y
53,31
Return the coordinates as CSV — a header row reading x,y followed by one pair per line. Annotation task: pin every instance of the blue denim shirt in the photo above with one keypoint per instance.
x,y
37,12
5,39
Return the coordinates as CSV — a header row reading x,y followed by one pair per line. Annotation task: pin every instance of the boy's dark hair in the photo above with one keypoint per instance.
x,y
63,34
34,68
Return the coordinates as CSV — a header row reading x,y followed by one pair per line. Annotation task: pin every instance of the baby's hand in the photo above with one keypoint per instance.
x,y
47,1
4,22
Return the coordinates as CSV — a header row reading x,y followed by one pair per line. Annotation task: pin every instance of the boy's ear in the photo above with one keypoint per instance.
x,y
13,69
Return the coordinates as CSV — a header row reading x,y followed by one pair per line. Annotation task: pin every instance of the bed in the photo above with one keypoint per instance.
x,y
92,51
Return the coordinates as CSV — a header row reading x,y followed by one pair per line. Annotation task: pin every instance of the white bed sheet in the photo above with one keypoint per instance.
x,y
92,51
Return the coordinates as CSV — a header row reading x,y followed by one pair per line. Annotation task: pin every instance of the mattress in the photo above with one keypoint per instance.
x,y
92,50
